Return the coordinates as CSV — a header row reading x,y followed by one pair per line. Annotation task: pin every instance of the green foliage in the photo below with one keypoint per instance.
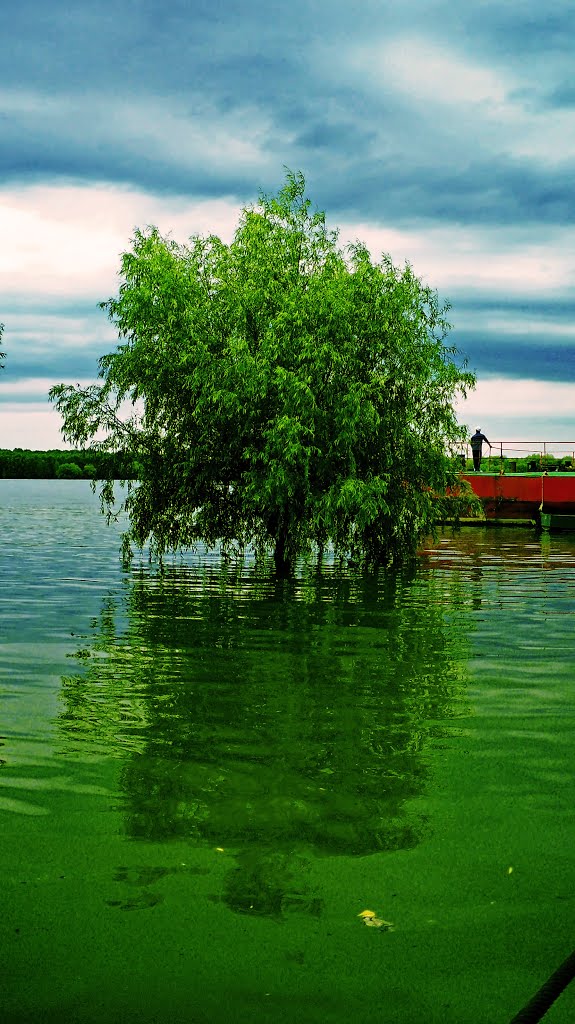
x,y
459,502
278,391
69,471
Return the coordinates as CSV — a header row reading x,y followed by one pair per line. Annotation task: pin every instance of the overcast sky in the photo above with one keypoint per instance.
x,y
440,132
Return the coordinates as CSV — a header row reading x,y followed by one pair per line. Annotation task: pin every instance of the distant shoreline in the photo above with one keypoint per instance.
x,y
68,464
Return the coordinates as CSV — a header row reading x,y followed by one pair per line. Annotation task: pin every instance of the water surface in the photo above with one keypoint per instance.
x,y
208,774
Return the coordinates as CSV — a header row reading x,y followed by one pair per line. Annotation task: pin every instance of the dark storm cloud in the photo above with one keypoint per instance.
x,y
227,49
513,336
241,49
24,363
353,174
43,340
560,311
368,151
495,353
483,192
516,28
102,161
562,96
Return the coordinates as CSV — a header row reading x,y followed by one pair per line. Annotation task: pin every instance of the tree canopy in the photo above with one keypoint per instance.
x,y
280,391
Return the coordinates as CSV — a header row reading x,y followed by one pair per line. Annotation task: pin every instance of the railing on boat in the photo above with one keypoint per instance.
x,y
537,454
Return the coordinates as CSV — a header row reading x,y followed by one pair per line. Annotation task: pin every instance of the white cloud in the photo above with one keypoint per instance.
x,y
65,241
521,410
476,107
35,426
184,133
422,70
459,259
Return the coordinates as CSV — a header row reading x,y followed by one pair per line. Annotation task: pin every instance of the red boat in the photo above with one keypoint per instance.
x,y
524,495
545,494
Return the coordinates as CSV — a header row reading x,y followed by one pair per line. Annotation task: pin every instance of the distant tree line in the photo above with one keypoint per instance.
x,y
22,464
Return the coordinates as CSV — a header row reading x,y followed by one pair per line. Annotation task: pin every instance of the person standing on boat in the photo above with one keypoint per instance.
x,y
476,448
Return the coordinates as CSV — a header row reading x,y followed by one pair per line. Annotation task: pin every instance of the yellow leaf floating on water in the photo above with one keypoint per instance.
x,y
370,919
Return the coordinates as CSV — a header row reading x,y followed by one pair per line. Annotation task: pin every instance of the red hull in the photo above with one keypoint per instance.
x,y
524,495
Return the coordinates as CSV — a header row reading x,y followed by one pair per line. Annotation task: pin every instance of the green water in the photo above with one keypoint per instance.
x,y
207,776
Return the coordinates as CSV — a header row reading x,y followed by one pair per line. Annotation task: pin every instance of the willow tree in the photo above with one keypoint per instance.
x,y
280,391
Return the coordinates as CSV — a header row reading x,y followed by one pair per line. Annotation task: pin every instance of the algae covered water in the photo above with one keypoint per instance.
x,y
208,775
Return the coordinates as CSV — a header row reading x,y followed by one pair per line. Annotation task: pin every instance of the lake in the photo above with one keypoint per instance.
x,y
207,776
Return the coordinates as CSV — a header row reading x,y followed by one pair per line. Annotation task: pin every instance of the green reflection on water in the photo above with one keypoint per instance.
x,y
297,727
283,720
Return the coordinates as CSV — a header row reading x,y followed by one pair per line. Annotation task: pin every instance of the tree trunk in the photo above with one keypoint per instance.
x,y
283,558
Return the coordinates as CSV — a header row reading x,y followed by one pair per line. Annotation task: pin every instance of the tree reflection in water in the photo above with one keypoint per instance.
x,y
282,719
